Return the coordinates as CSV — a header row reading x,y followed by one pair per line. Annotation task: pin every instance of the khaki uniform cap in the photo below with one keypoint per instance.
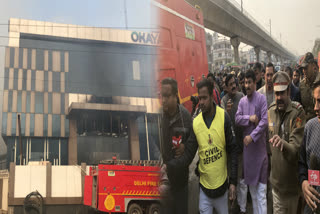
x,y
281,81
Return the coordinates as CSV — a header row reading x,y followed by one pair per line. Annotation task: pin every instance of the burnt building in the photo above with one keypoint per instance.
x,y
83,94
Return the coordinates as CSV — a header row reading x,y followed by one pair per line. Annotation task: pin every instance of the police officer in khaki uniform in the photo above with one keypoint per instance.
x,y
286,124
311,74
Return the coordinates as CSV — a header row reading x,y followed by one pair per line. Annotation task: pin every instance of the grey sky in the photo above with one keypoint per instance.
x,y
97,13
298,21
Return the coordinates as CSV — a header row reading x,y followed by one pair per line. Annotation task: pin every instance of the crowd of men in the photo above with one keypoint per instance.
x,y
253,131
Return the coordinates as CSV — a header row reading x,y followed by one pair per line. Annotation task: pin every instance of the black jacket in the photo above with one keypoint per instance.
x,y
178,125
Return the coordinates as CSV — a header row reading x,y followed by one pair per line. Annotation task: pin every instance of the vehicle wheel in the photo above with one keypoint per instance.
x,y
135,209
154,209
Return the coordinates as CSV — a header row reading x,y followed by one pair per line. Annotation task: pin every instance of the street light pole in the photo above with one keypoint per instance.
x,y
125,14
241,6
270,26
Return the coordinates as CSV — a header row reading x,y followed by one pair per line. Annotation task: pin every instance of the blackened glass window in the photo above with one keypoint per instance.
x,y
37,149
56,125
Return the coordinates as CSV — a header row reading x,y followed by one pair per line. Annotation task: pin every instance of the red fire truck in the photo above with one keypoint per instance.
x,y
124,186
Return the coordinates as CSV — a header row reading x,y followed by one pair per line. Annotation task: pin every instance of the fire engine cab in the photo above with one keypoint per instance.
x,y
123,186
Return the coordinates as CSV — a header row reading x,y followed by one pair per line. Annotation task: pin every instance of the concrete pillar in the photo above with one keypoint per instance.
x,y
134,139
235,42
257,50
281,60
269,55
72,143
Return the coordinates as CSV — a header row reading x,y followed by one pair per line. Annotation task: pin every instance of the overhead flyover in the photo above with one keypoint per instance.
x,y
226,18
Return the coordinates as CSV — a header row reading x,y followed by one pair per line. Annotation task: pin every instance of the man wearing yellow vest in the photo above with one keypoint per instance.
x,y
213,136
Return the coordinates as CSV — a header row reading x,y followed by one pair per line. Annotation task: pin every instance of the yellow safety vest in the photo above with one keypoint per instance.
x,y
212,150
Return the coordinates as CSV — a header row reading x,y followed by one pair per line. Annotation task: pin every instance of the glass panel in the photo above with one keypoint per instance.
x,y
153,136
56,81
33,80
28,101
4,123
49,103
29,58
64,151
32,124
93,149
62,128
40,59
23,124
6,78
10,149
37,149
15,79
56,125
11,57
19,101
39,102
53,153
24,146
14,124
136,70
142,138
10,101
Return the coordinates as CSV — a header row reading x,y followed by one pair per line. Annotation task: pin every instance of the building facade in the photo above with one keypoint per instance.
x,y
82,94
